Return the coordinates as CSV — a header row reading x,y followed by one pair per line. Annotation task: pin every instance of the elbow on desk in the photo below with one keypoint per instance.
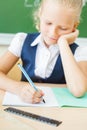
x,y
79,91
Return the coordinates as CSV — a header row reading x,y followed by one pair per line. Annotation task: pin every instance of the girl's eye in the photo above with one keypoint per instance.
x,y
48,23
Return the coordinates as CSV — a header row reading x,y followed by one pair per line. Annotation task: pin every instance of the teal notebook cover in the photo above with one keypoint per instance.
x,y
65,98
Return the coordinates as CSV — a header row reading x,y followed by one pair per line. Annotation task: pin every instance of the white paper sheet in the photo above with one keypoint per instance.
x,y
14,100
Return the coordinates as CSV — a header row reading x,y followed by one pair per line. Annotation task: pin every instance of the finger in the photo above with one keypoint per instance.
x,y
36,100
37,97
39,93
75,33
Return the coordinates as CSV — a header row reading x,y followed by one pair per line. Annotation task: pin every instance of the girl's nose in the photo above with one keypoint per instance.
x,y
54,32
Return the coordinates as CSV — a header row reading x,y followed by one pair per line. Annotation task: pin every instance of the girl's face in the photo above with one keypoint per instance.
x,y
55,20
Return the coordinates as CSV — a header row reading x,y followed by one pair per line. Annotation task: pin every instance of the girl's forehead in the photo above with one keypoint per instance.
x,y
57,11
53,9
54,4
58,14
50,3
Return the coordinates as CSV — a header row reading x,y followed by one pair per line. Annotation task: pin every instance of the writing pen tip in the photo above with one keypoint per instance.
x,y
43,100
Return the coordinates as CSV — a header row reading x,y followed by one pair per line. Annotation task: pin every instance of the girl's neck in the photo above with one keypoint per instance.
x,y
46,44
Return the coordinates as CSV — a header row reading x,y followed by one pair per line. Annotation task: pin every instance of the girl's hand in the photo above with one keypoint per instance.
x,y
70,38
29,95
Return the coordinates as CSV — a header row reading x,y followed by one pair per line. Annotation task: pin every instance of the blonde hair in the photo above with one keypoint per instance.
x,y
76,5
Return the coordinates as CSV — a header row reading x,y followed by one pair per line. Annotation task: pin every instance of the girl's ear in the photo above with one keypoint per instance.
x,y
75,26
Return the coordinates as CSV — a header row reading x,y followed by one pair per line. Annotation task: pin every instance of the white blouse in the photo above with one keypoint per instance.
x,y
45,57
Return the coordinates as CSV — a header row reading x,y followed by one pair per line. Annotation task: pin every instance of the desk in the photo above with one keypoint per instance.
x,y
72,118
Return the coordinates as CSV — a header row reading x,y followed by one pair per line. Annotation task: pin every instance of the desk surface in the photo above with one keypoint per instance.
x,y
72,118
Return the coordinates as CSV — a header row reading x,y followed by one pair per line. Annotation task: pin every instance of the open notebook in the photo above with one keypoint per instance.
x,y
53,96
11,99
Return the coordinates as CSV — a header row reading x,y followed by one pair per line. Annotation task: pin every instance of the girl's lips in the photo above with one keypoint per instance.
x,y
53,38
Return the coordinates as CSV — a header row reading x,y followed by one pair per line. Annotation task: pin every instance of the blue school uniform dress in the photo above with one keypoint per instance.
x,y
28,58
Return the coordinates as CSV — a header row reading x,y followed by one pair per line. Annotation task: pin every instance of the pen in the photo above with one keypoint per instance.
x,y
28,78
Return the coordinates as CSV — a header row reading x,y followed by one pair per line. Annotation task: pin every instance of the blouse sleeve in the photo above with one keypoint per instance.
x,y
81,53
17,43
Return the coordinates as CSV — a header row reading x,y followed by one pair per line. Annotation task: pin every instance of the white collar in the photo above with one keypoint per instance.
x,y
37,40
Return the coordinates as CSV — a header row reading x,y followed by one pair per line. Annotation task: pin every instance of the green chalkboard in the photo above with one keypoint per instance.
x,y
16,16
83,23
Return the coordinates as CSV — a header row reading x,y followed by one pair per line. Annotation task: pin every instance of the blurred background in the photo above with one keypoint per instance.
x,y
16,16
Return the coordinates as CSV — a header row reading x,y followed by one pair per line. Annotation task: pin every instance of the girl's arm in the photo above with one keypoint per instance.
x,y
75,72
22,89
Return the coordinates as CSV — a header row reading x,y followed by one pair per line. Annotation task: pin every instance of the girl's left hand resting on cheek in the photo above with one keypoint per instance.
x,y
70,38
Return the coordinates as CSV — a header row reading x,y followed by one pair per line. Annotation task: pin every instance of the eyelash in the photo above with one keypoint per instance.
x,y
60,27
48,23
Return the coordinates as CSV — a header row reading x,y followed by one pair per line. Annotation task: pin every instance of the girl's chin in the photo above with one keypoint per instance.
x,y
49,44
52,42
